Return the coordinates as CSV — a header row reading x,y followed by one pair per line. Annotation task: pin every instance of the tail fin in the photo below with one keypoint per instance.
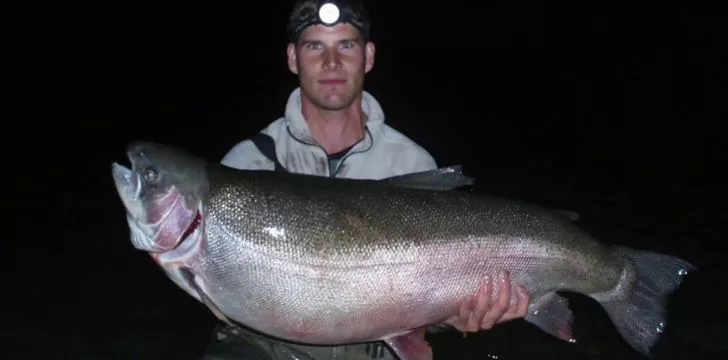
x,y
640,313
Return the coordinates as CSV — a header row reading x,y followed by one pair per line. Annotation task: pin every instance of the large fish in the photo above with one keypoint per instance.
x,y
326,261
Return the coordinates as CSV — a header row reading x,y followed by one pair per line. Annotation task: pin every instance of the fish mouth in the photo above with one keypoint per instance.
x,y
122,175
128,186
153,230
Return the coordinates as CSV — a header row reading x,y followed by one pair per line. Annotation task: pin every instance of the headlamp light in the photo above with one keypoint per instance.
x,y
328,13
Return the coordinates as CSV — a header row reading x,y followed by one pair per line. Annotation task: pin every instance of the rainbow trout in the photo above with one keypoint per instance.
x,y
325,261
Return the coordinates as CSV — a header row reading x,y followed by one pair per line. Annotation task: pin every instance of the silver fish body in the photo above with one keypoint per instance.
x,y
333,261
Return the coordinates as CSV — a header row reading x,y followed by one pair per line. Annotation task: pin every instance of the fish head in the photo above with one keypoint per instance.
x,y
162,192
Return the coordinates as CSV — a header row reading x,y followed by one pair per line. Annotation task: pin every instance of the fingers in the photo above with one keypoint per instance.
x,y
523,302
501,304
466,307
519,308
472,309
482,312
482,306
459,320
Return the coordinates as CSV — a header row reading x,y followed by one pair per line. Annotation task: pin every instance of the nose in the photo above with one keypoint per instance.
x,y
332,59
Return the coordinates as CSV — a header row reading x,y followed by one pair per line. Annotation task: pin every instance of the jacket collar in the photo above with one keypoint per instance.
x,y
298,127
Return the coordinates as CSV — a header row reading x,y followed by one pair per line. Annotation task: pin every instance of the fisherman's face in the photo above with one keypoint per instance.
x,y
331,63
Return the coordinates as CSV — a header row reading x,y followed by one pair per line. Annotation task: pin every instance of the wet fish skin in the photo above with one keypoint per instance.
x,y
333,261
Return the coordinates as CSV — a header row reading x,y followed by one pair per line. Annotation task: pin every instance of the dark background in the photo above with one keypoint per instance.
x,y
614,109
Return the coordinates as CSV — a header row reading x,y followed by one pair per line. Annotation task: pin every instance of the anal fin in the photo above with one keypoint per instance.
x,y
551,314
410,346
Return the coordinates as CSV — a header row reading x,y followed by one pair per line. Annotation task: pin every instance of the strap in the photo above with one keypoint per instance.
x,y
267,147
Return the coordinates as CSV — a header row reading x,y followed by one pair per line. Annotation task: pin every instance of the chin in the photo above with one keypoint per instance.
x,y
331,101
333,106
335,101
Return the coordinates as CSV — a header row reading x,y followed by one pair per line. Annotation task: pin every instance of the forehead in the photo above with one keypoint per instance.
x,y
329,33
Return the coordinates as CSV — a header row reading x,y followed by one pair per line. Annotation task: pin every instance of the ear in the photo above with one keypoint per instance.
x,y
369,56
291,54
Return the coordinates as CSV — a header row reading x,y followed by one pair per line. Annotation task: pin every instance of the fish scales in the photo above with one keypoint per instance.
x,y
333,261
319,241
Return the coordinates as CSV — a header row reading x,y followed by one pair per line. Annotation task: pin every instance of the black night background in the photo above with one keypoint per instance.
x,y
613,109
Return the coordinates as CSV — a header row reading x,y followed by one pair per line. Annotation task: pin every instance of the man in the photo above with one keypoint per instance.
x,y
332,127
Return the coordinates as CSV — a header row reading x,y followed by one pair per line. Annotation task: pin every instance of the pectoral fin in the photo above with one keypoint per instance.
x,y
187,274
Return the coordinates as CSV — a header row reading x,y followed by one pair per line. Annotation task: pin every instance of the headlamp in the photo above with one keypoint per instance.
x,y
328,13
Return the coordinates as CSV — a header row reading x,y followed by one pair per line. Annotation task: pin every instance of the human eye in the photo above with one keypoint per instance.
x,y
313,45
346,45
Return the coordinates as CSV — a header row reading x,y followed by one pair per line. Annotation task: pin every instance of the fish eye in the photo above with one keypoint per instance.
x,y
150,174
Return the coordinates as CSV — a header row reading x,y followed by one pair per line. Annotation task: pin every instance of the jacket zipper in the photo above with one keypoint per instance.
x,y
338,167
336,171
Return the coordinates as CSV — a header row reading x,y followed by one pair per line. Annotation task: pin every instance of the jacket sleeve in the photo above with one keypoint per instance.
x,y
412,161
423,162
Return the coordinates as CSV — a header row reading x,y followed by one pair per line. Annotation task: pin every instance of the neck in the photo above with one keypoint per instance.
x,y
335,130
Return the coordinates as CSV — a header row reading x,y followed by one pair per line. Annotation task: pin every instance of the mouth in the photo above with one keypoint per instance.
x,y
121,173
161,225
126,183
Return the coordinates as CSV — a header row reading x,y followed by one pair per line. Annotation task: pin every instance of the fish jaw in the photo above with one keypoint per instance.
x,y
127,187
158,220
182,264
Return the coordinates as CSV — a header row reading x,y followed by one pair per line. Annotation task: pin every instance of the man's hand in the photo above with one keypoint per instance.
x,y
480,312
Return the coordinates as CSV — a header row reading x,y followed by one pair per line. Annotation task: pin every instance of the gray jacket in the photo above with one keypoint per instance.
x,y
384,151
